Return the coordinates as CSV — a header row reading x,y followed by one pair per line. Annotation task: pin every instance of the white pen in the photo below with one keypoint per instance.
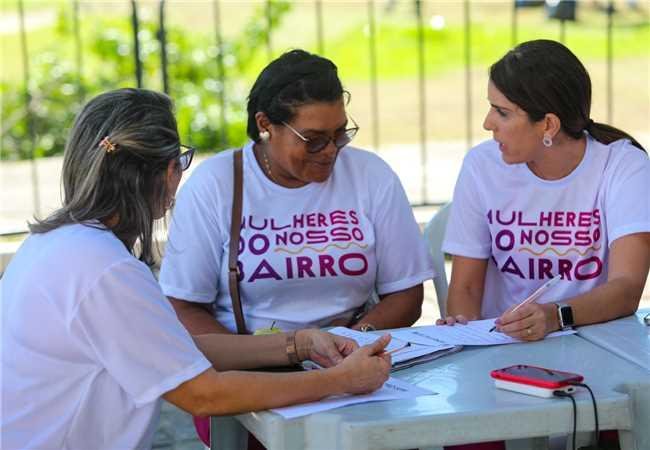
x,y
535,295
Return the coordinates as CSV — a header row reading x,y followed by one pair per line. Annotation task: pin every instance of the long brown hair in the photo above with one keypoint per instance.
x,y
128,182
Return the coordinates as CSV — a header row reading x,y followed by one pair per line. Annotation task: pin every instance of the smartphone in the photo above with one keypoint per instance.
x,y
534,380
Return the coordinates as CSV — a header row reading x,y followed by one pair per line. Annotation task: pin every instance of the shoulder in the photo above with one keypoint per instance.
x,y
95,242
622,157
626,153
80,250
211,175
363,163
213,168
487,152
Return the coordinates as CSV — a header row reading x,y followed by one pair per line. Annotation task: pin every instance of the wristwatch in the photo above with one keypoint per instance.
x,y
565,316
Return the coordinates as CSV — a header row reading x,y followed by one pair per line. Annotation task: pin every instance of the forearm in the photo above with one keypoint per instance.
x,y
196,318
239,352
215,394
465,294
464,300
395,310
617,298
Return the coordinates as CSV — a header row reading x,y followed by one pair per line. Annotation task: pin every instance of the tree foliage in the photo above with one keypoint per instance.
x,y
56,92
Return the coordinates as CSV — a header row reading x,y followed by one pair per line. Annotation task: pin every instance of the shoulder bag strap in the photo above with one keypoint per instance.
x,y
235,227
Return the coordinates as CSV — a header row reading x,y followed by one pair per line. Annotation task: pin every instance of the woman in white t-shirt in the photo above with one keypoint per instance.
x,y
324,225
89,342
554,193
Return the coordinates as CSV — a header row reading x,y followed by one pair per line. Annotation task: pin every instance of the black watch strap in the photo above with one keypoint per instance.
x,y
565,316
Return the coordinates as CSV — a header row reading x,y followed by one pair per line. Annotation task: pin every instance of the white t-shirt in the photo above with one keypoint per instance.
x,y
89,345
533,229
307,255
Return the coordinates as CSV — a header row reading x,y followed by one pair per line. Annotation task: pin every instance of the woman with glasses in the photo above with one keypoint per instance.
x,y
89,342
324,225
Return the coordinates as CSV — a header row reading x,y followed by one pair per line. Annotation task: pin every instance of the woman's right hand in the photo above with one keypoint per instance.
x,y
451,320
366,369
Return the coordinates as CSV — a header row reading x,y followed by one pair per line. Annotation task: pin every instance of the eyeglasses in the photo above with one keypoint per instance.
x,y
316,144
185,158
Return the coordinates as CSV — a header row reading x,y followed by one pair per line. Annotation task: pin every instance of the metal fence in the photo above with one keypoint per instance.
x,y
419,42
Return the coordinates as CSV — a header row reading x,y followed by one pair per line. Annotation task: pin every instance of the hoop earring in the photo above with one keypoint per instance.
x,y
547,141
265,136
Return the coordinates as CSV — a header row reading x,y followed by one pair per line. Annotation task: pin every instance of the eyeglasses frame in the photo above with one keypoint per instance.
x,y
188,151
354,129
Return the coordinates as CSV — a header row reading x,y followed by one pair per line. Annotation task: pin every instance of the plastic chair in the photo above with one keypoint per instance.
x,y
434,233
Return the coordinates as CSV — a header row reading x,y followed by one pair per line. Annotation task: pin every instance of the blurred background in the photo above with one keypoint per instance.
x,y
417,71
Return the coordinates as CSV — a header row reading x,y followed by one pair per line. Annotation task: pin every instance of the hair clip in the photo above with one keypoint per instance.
x,y
107,145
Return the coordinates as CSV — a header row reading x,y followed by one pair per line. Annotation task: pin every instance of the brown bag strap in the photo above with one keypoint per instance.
x,y
235,227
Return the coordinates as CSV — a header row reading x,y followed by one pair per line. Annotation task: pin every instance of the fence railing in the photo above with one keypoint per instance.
x,y
562,9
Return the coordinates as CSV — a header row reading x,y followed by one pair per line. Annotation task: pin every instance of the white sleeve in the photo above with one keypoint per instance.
x,y
134,333
403,259
192,261
467,231
627,205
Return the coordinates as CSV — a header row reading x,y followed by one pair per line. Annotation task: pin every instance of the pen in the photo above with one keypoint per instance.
x,y
395,350
535,295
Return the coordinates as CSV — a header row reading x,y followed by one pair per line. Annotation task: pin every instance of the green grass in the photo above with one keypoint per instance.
x,y
347,37
347,44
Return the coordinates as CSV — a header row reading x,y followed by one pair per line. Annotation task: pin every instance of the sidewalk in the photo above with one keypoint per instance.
x,y
17,205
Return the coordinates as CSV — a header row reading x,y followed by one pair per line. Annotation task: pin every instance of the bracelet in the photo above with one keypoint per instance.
x,y
292,351
365,327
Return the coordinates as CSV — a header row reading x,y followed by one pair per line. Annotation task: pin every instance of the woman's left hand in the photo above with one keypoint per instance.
x,y
531,322
323,348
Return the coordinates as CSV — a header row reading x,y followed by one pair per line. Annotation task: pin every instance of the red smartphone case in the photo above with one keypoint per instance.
x,y
536,376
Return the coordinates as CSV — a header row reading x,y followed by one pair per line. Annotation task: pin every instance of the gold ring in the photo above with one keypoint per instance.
x,y
529,331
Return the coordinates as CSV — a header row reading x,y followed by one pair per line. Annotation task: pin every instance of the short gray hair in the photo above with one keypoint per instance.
x,y
128,182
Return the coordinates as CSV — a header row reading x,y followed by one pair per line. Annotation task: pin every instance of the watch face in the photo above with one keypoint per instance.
x,y
566,314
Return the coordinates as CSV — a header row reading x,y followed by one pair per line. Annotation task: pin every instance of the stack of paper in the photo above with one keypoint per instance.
x,y
393,389
407,352
476,332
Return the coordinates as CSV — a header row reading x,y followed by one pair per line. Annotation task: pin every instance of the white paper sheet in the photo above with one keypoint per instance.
x,y
393,389
476,332
414,350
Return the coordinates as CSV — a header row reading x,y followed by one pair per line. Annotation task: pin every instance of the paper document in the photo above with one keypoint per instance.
x,y
414,353
476,332
393,389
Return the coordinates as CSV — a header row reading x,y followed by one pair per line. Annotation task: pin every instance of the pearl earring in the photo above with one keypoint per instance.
x,y
265,136
547,141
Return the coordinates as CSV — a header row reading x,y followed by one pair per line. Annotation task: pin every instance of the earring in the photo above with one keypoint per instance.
x,y
547,141
265,136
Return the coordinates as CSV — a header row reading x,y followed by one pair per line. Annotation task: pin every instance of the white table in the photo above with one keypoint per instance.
x,y
628,337
468,407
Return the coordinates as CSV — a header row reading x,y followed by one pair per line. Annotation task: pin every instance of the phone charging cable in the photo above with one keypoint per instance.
x,y
573,401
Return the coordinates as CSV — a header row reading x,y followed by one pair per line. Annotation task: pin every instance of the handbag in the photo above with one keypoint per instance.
x,y
235,228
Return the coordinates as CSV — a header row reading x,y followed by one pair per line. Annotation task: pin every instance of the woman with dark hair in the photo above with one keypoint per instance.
x,y
552,194
323,224
89,342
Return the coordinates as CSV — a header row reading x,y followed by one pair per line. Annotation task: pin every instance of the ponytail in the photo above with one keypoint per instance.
x,y
607,134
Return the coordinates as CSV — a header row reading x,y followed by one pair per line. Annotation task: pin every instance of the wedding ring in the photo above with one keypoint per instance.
x,y
529,331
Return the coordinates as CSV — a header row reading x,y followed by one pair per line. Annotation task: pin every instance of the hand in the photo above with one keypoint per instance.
x,y
451,320
531,322
342,322
323,348
366,369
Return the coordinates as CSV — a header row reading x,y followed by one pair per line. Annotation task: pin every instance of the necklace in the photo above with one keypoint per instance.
x,y
266,164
